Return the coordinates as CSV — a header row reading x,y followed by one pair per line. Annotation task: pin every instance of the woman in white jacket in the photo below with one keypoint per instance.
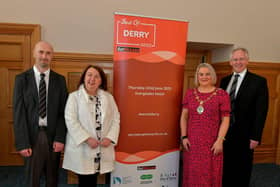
x,y
92,119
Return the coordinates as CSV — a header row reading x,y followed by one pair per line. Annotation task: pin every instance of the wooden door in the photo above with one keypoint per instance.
x,y
16,42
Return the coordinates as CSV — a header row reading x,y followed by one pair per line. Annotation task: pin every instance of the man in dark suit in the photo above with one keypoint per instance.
x,y
39,99
249,100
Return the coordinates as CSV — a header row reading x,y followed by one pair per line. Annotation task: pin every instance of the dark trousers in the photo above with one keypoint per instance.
x,y
238,162
88,180
43,162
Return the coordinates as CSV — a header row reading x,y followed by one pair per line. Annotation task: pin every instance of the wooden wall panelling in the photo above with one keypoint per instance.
x,y
267,151
276,110
193,58
31,34
71,65
9,155
73,80
15,56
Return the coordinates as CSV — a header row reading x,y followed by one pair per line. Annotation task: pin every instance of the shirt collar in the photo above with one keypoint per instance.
x,y
37,72
241,74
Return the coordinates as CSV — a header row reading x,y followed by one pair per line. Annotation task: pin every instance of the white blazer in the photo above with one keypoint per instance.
x,y
80,122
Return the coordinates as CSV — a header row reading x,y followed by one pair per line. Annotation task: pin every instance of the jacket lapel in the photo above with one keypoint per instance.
x,y
51,88
226,82
243,85
33,86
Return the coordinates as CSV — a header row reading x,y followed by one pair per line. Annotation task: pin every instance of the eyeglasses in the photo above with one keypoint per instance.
x,y
238,59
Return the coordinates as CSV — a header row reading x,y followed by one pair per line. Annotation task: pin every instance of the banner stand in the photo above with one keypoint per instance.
x,y
149,59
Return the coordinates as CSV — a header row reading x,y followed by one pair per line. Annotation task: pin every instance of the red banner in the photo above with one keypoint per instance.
x,y
149,58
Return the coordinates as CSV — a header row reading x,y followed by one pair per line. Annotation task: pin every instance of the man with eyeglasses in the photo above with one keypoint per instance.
x,y
249,105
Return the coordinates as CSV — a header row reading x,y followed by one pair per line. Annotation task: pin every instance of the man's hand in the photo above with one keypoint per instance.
x,y
26,152
253,144
58,147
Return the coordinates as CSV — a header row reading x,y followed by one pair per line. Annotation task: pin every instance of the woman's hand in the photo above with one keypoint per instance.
x,y
105,142
217,146
92,142
186,143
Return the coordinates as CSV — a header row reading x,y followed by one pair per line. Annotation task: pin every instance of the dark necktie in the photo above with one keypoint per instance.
x,y
42,96
233,87
232,98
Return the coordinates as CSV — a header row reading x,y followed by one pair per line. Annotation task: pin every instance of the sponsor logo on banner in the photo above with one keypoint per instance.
x,y
146,182
146,176
122,180
139,168
168,176
146,179
128,49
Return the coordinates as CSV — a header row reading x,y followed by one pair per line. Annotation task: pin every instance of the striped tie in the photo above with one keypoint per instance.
x,y
233,87
232,98
42,96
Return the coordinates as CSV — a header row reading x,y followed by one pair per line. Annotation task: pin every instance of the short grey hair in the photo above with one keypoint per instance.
x,y
212,73
246,52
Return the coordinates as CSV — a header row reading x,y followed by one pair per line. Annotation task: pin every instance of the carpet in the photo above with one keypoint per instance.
x,y
263,175
12,176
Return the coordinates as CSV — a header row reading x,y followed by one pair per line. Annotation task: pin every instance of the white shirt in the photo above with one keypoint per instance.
x,y
239,81
42,121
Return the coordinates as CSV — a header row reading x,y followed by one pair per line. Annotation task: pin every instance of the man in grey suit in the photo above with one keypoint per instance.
x,y
39,99
249,104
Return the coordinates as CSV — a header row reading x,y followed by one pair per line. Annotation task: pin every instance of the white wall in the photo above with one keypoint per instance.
x,y
86,26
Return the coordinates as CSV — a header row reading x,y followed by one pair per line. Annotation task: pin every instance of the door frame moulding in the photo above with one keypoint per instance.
x,y
33,30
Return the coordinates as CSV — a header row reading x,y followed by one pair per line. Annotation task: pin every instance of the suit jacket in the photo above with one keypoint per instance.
x,y
26,109
251,106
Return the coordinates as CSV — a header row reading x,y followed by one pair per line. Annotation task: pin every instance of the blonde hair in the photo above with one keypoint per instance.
x,y
212,73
